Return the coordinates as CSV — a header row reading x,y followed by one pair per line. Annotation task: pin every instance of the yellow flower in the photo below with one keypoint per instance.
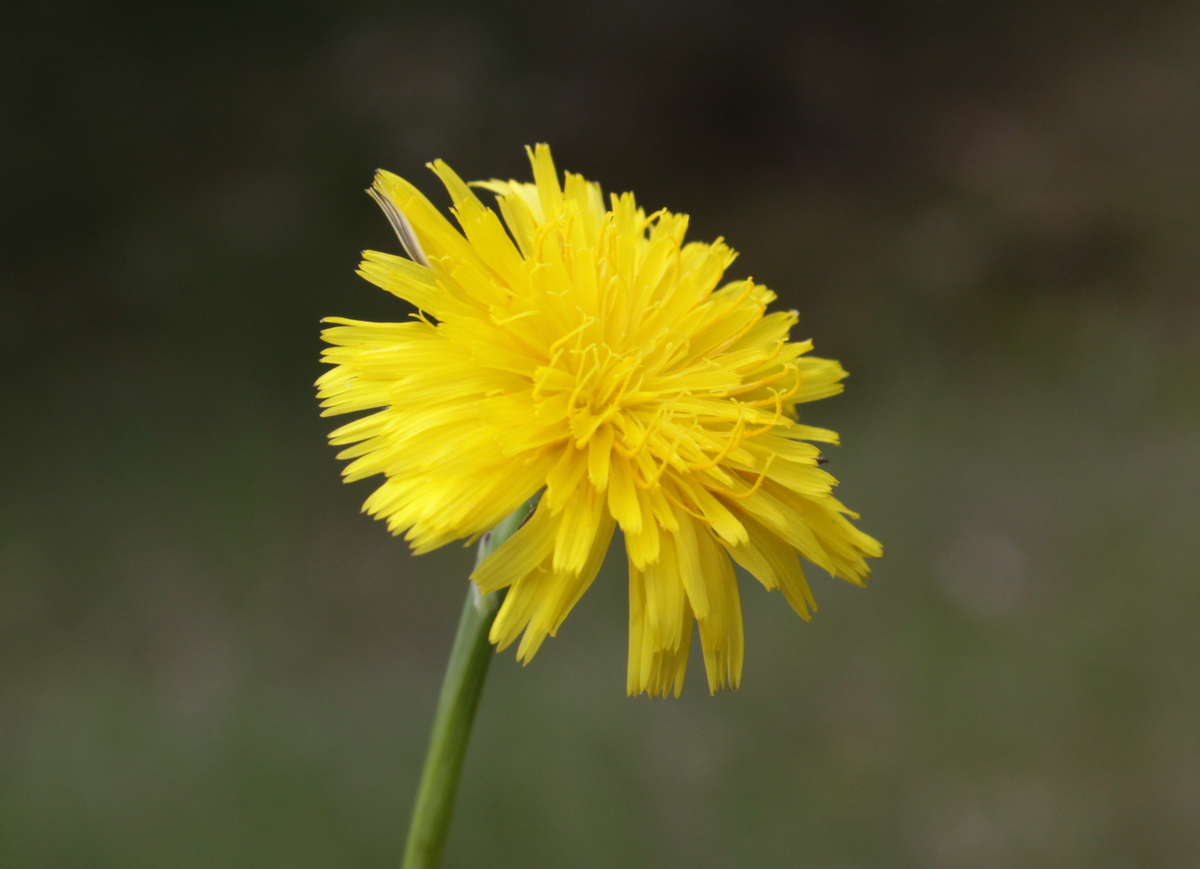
x,y
588,354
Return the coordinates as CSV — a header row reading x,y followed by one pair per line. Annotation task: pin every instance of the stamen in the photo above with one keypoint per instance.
x,y
653,217
729,308
504,320
759,363
741,496
650,484
685,508
769,426
632,451
758,384
734,440
567,337
765,401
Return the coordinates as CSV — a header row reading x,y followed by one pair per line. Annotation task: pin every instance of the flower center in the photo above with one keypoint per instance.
x,y
591,385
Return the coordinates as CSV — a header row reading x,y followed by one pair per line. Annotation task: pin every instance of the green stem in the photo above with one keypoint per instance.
x,y
461,687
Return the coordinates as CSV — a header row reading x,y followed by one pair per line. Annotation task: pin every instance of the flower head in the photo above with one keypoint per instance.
x,y
590,354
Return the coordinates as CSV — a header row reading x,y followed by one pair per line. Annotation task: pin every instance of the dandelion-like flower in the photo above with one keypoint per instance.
x,y
589,354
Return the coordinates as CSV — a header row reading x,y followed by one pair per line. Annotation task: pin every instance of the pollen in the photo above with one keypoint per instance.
x,y
583,351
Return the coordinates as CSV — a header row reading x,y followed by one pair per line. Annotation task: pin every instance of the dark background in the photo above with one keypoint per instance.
x,y
987,211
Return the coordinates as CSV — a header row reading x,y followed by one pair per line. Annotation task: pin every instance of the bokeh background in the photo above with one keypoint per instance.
x,y
988,211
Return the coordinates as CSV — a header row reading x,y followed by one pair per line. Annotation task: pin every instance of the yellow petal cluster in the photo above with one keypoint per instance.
x,y
583,350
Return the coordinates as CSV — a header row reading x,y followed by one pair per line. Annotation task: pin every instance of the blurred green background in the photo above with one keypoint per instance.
x,y
988,211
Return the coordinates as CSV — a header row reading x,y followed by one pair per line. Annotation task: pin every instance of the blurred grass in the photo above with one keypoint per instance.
x,y
987,213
